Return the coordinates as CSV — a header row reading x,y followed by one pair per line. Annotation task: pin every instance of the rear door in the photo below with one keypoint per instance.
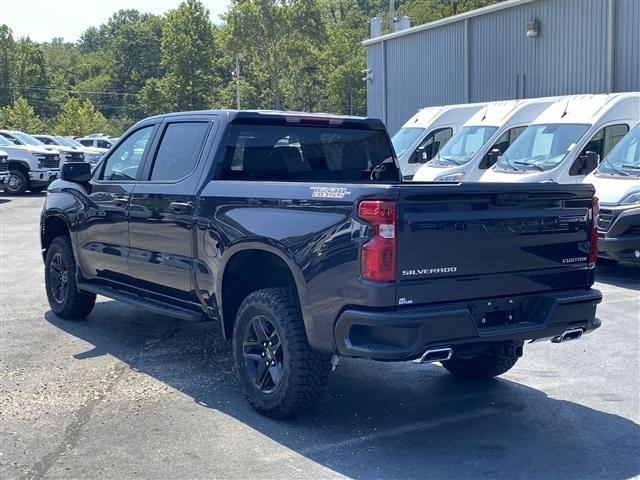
x,y
477,240
162,208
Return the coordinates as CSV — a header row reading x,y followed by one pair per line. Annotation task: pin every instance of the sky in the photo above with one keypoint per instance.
x,y
43,20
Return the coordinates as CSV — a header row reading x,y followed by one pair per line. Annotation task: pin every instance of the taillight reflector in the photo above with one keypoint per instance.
x,y
378,261
593,245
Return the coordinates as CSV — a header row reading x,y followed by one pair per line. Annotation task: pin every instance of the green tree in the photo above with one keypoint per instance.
x,y
80,119
21,116
423,11
31,75
187,57
7,65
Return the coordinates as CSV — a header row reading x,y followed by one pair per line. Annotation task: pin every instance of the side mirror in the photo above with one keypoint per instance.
x,y
585,163
490,159
591,161
78,172
420,155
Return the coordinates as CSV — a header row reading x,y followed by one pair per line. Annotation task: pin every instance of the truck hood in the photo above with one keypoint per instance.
x,y
30,149
611,190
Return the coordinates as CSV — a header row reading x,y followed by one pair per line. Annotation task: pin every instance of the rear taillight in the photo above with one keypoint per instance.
x,y
378,261
593,245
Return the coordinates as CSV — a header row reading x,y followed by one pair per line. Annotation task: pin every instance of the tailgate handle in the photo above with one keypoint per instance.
x,y
509,198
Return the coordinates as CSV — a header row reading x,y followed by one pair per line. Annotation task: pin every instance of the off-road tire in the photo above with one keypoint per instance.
x,y
76,304
304,371
20,187
480,367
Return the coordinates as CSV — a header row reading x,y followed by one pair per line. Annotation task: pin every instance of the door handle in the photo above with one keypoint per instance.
x,y
120,201
180,207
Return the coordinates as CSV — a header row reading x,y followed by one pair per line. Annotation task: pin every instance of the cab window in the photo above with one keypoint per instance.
x,y
179,150
124,161
605,139
432,144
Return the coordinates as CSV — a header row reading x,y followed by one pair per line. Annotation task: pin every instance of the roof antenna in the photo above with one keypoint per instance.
x,y
484,112
566,106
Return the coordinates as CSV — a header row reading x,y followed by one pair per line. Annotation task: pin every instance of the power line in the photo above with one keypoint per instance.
x,y
69,90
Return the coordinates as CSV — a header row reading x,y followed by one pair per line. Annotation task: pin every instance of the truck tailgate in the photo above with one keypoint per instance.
x,y
477,240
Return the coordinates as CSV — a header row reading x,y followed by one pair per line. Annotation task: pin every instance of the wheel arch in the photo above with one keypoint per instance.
x,y
52,226
254,266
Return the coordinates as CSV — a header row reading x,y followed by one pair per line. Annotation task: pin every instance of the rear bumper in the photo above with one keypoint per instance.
x,y
403,334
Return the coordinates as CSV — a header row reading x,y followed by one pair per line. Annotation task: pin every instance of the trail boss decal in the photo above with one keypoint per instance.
x,y
329,192
428,271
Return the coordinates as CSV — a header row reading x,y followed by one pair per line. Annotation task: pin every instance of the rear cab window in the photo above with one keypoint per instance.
x,y
308,153
179,150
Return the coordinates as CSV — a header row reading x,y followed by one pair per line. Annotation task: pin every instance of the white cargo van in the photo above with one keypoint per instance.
x,y
481,140
424,134
617,182
567,141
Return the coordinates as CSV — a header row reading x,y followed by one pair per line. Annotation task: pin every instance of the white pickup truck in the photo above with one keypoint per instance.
x,y
29,167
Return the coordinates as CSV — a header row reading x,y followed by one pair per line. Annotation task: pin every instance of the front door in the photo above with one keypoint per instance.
x,y
103,237
162,210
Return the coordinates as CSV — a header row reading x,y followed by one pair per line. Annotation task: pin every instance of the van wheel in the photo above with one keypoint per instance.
x,y
480,367
65,300
279,373
17,184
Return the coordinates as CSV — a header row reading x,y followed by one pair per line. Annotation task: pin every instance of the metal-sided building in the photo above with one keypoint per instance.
x,y
513,49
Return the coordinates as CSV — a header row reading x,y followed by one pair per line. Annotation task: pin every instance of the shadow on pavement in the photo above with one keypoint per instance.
x,y
625,275
380,420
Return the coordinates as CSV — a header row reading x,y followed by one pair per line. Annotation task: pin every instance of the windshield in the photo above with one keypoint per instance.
x,y
27,139
64,141
541,147
4,142
463,145
624,159
404,138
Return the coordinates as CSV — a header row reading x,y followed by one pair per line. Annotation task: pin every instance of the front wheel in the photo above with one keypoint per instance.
x,y
17,184
279,373
65,300
480,367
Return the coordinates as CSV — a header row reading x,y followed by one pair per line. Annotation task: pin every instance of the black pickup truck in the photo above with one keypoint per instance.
x,y
296,233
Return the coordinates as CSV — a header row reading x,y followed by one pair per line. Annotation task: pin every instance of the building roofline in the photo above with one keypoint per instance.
x,y
445,21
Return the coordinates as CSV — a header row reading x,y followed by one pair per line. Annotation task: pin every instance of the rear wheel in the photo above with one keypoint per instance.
x,y
480,367
65,300
17,184
279,373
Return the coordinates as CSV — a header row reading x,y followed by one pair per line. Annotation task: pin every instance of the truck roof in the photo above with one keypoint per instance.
x,y
590,108
282,116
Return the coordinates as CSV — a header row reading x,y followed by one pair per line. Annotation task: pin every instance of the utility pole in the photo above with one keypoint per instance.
x,y
392,15
237,82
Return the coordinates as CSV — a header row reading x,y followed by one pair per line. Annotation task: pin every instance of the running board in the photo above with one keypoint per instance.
x,y
156,306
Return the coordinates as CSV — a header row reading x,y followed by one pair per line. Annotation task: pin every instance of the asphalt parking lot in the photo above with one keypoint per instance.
x,y
125,394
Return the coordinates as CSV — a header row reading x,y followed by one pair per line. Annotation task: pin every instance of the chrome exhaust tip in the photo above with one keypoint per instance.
x,y
569,334
435,355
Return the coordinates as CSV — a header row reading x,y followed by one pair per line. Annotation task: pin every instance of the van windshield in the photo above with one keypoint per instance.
x,y
463,146
624,159
404,138
541,147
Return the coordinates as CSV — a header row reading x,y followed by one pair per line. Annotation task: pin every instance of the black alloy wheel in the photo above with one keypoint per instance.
x,y
262,352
